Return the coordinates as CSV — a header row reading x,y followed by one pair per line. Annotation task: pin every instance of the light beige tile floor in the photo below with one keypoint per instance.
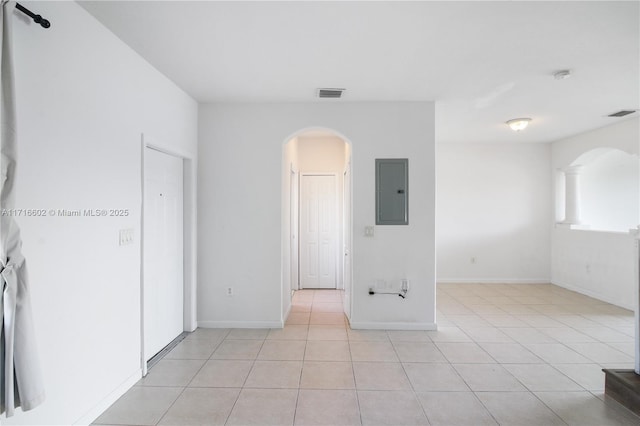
x,y
503,355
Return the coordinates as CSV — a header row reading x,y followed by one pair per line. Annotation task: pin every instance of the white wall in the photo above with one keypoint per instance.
x,y
493,204
240,171
623,135
84,98
321,154
599,264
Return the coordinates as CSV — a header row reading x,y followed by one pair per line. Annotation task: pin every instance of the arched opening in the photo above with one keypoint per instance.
x,y
316,222
610,191
602,190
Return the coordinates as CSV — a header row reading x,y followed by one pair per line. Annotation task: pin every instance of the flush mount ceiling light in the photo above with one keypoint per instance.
x,y
518,124
622,113
562,74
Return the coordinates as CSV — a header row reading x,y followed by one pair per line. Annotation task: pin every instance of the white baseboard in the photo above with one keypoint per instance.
x,y
102,406
394,326
240,324
493,280
286,315
595,295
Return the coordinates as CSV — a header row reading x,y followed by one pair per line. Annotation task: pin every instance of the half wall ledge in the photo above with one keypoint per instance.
x,y
624,387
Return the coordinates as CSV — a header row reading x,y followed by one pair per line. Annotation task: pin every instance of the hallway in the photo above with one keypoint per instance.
x,y
504,354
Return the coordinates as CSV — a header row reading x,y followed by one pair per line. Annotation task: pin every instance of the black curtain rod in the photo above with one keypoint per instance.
x,y
36,18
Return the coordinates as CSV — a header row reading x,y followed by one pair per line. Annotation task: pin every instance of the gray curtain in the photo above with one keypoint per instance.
x,y
20,377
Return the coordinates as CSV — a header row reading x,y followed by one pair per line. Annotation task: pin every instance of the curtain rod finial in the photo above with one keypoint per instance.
x,y
38,19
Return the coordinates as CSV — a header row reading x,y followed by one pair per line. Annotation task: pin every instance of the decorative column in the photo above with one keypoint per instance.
x,y
572,195
637,313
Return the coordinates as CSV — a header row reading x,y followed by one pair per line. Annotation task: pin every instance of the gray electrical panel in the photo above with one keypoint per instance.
x,y
392,191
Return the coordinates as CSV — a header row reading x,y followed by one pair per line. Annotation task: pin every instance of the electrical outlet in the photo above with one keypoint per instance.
x,y
369,231
229,291
405,284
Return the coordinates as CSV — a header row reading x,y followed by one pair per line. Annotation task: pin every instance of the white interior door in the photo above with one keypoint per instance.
x,y
346,221
318,231
163,252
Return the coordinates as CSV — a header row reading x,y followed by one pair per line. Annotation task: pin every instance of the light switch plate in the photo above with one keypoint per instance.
x,y
126,237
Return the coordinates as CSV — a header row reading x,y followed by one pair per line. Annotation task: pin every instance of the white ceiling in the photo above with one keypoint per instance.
x,y
482,62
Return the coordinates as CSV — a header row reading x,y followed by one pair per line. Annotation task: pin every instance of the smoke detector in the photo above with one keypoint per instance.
x,y
331,93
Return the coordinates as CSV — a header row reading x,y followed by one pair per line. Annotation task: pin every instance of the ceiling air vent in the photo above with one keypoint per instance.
x,y
622,113
330,93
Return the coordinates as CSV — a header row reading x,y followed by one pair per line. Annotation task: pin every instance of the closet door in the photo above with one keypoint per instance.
x,y
163,252
318,231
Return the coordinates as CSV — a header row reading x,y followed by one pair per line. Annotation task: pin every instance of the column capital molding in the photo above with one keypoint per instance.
x,y
572,194
572,170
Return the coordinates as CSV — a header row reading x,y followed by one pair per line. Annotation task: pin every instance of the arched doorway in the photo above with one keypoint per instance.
x,y
316,215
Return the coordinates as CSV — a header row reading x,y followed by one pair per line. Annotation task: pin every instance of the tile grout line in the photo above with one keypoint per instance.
x,y
304,354
245,379
413,390
189,382
353,374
